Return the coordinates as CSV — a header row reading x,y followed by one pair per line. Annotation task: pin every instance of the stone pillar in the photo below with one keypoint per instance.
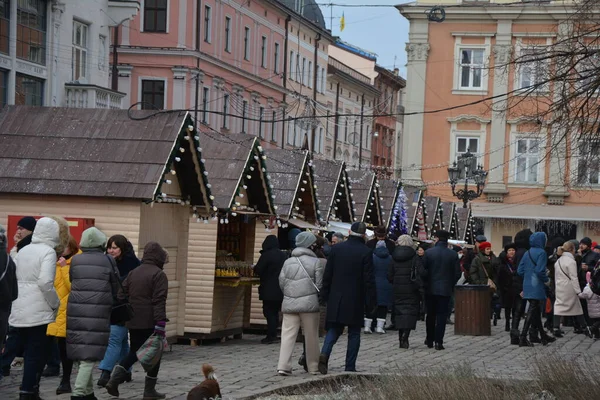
x,y
124,72
416,70
496,187
179,87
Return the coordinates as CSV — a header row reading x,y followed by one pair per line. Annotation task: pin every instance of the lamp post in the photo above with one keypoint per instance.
x,y
467,164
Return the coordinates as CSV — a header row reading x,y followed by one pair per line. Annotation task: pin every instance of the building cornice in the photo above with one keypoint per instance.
x,y
466,118
492,12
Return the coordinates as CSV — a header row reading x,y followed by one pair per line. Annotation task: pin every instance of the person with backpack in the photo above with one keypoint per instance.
x,y
9,289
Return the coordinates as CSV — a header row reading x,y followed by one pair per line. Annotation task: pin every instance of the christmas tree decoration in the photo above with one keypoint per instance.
x,y
399,218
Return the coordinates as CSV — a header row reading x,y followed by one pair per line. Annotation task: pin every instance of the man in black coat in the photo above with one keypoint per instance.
x,y
8,286
441,271
268,268
348,286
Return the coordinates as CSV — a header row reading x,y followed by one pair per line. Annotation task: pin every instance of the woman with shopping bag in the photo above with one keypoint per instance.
x,y
146,287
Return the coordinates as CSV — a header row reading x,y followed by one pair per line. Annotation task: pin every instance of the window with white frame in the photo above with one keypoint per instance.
x,y
587,69
318,79
304,72
246,43
80,49
471,68
292,71
245,116
310,74
533,69
207,23
290,132
205,104
263,52
155,16
273,126
298,76
323,77
228,34
261,116
527,160
153,94
226,111
276,59
465,144
588,162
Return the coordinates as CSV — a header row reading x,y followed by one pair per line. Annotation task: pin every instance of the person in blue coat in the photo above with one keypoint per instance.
x,y
533,270
381,263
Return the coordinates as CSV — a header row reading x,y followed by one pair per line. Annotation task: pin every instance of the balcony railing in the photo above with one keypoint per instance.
x,y
92,96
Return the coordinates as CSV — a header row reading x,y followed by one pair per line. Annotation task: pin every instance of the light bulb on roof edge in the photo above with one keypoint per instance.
x,y
177,159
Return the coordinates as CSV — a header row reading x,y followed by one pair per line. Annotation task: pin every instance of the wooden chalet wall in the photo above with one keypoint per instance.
x,y
256,314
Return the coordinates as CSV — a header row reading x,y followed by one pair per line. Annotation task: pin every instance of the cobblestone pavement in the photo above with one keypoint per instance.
x,y
246,367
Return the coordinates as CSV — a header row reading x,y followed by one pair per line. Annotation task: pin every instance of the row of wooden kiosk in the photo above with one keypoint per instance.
x,y
209,198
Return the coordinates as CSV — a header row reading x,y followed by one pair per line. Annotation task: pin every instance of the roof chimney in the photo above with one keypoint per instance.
x,y
396,71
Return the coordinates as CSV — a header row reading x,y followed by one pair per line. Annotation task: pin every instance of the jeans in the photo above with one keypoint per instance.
x,y
118,347
138,337
12,348
333,334
437,314
84,383
67,364
33,339
271,313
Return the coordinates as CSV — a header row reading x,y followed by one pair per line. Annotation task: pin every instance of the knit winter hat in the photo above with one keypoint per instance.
x,y
442,235
305,239
358,228
484,245
27,223
405,240
587,241
480,238
93,238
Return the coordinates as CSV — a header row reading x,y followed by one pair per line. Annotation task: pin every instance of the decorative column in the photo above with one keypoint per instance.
x,y
238,99
496,187
55,98
412,146
179,75
124,71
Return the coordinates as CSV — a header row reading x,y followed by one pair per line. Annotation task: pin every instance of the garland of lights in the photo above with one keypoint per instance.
x,y
399,222
437,219
343,187
420,218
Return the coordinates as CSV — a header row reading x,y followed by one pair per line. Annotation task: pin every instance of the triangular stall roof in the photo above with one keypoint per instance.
x,y
433,206
366,196
465,221
388,192
294,189
333,192
415,205
144,155
450,219
235,165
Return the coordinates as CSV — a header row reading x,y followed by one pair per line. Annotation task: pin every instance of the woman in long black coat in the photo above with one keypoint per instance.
x,y
404,274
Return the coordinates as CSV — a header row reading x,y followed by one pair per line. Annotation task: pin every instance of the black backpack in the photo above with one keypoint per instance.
x,y
8,281
595,281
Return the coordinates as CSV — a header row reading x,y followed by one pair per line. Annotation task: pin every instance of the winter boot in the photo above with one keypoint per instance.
x,y
51,371
401,337
558,333
302,362
368,322
28,396
116,378
405,336
323,361
546,339
104,378
150,392
534,338
63,388
380,325
523,342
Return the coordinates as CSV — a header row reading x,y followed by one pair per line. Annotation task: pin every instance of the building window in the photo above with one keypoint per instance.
x,y
346,130
533,71
153,94
587,68
320,145
588,162
207,23
31,31
226,111
263,52
244,116
310,75
527,160
323,77
3,87
318,79
291,132
304,73
79,60
29,91
464,144
471,68
102,53
292,69
205,102
246,43
155,16
298,76
228,34
4,26
273,126
261,115
276,59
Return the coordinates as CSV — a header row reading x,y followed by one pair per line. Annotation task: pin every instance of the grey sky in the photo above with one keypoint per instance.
x,y
381,30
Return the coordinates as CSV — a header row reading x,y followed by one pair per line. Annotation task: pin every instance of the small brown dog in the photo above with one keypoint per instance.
x,y
209,389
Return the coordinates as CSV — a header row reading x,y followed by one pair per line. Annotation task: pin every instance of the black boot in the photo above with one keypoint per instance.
x,y
547,339
28,396
523,342
534,338
323,361
116,378
507,325
63,388
401,337
405,336
150,392
302,362
104,378
514,337
439,346
558,333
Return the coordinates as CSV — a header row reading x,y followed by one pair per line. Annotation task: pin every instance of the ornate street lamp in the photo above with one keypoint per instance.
x,y
467,165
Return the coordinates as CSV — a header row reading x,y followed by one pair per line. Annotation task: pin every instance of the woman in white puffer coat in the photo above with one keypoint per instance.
x,y
300,281
37,302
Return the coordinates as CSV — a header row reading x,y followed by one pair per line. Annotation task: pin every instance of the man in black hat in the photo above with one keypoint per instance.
x,y
348,286
441,271
22,237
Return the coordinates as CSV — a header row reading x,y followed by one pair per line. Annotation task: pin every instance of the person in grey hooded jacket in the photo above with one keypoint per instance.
x,y
94,278
300,281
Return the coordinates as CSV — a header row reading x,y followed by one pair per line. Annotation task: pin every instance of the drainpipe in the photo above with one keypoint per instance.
x,y
315,73
336,119
285,74
114,85
362,117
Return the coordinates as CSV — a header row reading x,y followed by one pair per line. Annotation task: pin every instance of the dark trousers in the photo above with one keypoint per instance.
x,y
518,311
534,318
333,334
12,348
380,313
271,312
53,359
579,321
437,314
3,327
137,337
34,340
67,364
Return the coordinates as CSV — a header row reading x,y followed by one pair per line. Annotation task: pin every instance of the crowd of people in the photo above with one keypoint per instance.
x,y
356,282
61,302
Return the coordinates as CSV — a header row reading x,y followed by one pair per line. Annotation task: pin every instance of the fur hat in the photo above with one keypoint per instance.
x,y
27,223
510,246
305,239
380,231
93,238
63,234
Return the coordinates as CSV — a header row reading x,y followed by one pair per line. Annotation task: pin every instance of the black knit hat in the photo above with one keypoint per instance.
x,y
510,246
587,241
27,223
442,235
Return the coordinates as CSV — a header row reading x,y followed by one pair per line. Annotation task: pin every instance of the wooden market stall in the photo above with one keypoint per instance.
x,y
222,247
136,177
389,194
435,220
466,226
450,219
366,196
335,197
416,213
